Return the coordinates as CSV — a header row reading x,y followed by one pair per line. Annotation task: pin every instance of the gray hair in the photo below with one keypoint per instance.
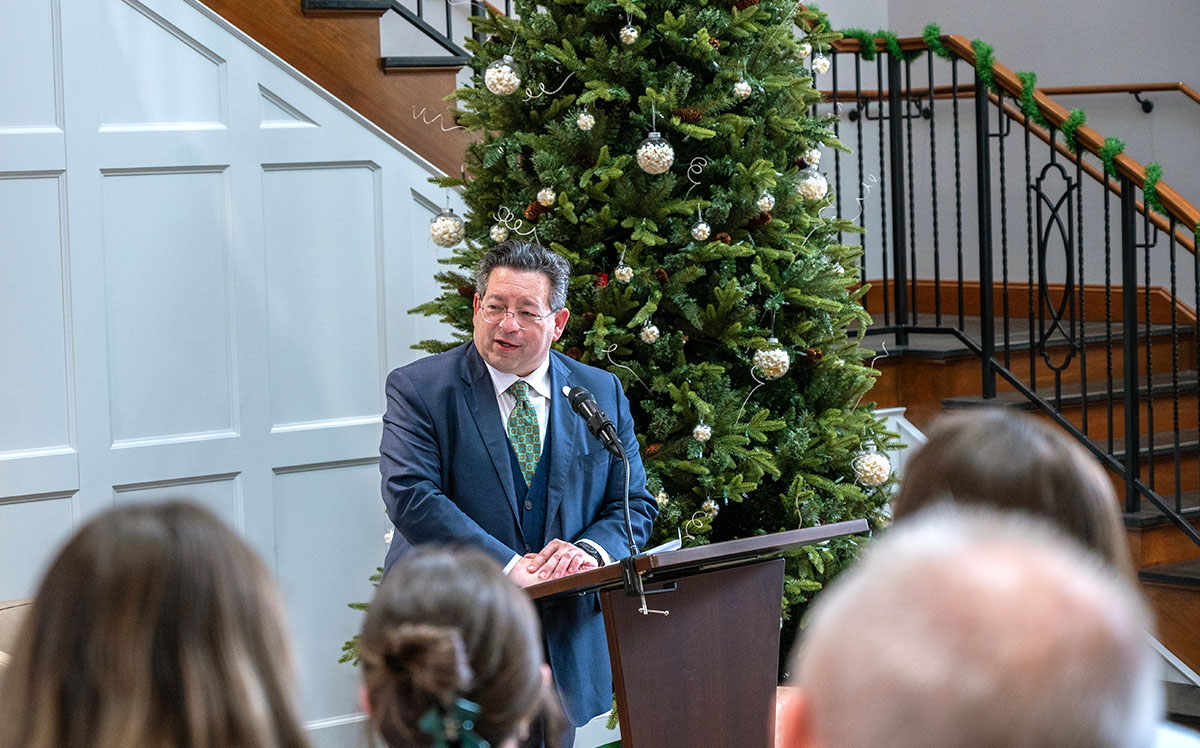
x,y
965,628
517,254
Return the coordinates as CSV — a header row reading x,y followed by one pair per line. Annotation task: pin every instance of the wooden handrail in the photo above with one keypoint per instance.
x,y
1087,138
967,91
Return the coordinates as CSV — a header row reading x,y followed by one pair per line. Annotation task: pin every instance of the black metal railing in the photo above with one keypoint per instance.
x,y
445,36
1070,297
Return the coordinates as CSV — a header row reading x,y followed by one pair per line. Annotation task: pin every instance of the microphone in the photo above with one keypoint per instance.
x,y
584,403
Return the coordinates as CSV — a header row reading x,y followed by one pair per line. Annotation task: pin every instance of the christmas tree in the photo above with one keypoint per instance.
x,y
670,151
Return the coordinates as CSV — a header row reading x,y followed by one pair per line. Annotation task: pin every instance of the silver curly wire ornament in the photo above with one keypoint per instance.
x,y
530,95
608,355
505,218
697,168
434,121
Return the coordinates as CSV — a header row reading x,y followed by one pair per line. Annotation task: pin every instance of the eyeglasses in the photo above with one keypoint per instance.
x,y
494,314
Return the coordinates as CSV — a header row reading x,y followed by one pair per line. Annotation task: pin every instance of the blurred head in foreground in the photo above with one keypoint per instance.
x,y
997,458
449,640
154,627
968,628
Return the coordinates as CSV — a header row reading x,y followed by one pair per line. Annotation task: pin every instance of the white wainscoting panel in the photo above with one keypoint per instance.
x,y
35,395
206,267
184,88
324,307
31,531
166,239
325,555
29,43
220,494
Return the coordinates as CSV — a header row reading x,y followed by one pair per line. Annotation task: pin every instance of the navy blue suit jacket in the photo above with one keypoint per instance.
x,y
447,479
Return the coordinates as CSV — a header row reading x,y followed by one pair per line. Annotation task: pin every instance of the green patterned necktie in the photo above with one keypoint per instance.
x,y
523,431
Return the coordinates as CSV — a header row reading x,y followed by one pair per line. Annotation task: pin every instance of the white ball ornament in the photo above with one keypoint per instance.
x,y
623,273
629,34
498,232
702,432
871,466
812,157
546,196
503,76
805,50
741,89
585,121
649,334
821,64
709,507
701,231
766,201
655,155
773,362
814,187
446,229
662,498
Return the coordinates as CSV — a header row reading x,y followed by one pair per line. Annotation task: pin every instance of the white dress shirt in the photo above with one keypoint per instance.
x,y
539,395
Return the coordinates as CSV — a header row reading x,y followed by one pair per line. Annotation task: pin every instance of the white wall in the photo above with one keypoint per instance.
x,y
205,270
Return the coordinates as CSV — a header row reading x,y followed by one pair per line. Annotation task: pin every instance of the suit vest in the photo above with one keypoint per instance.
x,y
532,499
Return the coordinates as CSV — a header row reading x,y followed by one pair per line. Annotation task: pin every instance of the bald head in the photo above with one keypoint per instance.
x,y
976,630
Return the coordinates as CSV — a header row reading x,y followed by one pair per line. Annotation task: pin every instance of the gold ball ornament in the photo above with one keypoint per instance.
x,y
503,76
629,34
446,229
741,89
813,187
702,432
546,197
773,362
655,155
623,273
766,201
649,334
871,466
805,50
701,231
585,121
820,64
498,232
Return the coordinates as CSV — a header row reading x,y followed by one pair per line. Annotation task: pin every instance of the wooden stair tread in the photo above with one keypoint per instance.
x,y
939,345
1180,574
1072,393
1183,703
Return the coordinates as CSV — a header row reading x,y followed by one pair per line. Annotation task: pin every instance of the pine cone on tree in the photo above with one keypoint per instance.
x,y
652,449
743,4
800,163
662,275
724,237
574,352
762,219
467,292
691,116
715,42
535,210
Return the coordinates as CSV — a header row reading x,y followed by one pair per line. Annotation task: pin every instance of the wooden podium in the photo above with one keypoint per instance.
x,y
695,660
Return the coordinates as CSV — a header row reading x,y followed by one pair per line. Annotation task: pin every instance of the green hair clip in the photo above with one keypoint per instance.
x,y
453,727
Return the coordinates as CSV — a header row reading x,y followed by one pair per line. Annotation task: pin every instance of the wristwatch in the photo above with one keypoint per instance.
x,y
591,551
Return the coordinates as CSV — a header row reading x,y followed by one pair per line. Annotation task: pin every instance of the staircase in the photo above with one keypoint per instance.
x,y
1010,265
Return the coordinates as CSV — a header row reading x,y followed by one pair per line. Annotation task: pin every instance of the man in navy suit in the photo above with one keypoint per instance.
x,y
480,448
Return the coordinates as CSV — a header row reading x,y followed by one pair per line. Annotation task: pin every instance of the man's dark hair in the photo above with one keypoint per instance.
x,y
518,254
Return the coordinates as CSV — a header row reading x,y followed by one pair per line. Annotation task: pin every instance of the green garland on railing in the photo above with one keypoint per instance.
x,y
1150,187
1108,154
1074,119
890,40
985,60
932,34
1028,104
866,38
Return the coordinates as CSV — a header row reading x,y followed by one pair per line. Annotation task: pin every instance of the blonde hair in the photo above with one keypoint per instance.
x,y
447,625
996,458
154,627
